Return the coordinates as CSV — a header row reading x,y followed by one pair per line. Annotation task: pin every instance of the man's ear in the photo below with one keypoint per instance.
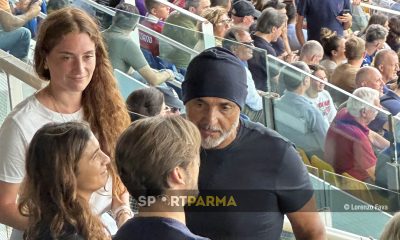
x,y
176,177
363,112
192,9
153,11
380,67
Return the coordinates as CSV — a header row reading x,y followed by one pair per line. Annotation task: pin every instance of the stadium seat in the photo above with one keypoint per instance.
x,y
356,188
322,166
127,84
303,156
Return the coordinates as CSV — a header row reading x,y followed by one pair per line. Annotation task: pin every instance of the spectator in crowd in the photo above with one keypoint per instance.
x,y
14,38
311,52
269,27
244,14
291,27
393,38
21,6
156,14
73,59
104,18
227,4
387,62
145,102
173,105
392,228
389,4
370,77
320,14
334,49
259,4
124,52
54,5
385,157
306,126
318,95
185,34
348,147
391,99
218,17
253,105
64,167
359,18
151,167
374,40
379,19
281,45
214,92
345,74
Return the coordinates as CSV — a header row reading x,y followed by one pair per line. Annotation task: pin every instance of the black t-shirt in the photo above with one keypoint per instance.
x,y
155,228
264,174
258,64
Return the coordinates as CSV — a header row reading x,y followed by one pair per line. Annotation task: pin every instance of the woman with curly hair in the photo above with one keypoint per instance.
x,y
218,17
64,166
71,56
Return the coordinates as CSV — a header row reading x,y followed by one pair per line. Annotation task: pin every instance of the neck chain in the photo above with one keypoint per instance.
x,y
53,99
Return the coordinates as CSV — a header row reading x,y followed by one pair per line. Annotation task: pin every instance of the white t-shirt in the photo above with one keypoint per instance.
x,y
325,104
17,132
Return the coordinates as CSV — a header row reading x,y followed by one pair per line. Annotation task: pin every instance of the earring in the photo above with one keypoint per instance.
x,y
45,66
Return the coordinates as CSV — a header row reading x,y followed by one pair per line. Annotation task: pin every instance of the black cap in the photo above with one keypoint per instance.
x,y
171,97
242,8
216,72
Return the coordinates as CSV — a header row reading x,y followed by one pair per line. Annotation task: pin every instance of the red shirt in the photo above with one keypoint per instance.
x,y
148,41
347,146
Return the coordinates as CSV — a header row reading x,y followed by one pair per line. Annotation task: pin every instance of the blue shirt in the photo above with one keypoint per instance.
x,y
301,122
253,99
367,61
391,101
322,13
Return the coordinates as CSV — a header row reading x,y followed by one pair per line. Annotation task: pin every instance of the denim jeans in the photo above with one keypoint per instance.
x,y
16,42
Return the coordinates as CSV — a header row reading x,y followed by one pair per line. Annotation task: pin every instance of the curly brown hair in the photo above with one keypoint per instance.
x,y
50,198
103,106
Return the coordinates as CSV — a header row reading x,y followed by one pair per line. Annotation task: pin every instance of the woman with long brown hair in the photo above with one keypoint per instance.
x,y
64,166
71,55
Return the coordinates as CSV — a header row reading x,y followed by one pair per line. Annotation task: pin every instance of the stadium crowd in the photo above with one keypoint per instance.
x,y
75,153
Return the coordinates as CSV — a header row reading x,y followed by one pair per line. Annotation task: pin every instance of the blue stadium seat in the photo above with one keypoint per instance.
x,y
127,84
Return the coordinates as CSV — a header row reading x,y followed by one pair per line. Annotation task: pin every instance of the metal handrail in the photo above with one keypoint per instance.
x,y
381,9
167,39
19,69
146,29
184,11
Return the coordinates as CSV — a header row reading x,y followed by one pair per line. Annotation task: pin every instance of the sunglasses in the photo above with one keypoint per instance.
x,y
225,21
